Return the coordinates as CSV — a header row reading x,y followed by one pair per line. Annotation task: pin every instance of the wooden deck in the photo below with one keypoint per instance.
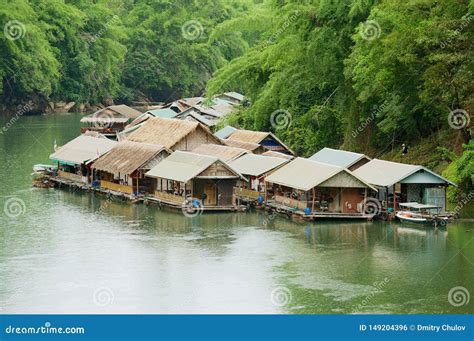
x,y
176,202
281,208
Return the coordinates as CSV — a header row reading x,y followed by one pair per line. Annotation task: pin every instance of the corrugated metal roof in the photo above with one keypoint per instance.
x,y
184,166
304,174
387,173
337,157
225,132
224,153
164,113
82,149
256,165
278,154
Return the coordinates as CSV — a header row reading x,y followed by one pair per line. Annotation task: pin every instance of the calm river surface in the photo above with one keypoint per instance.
x,y
66,252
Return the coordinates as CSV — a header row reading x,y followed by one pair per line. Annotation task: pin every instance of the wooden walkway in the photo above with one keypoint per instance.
x,y
279,208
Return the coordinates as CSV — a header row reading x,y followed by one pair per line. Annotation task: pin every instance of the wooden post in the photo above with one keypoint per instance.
x,y
394,199
137,183
365,200
312,201
265,185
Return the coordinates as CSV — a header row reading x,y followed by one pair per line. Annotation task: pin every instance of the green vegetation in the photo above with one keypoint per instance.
x,y
367,75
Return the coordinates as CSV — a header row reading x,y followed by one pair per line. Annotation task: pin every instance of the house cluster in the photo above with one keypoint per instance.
x,y
171,156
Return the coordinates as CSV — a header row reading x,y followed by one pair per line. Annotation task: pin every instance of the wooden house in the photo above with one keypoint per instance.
x,y
341,158
224,153
267,140
313,189
123,168
110,120
255,168
74,159
400,182
172,133
185,176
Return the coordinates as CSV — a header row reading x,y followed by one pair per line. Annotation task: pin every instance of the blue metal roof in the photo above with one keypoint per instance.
x,y
341,158
225,132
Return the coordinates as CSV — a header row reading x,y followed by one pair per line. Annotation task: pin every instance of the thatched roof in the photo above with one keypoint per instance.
x,y
127,156
82,149
248,136
112,114
224,153
240,144
278,154
166,131
256,137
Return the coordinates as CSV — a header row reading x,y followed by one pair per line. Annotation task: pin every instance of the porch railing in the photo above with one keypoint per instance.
x,y
301,205
116,187
173,198
72,176
247,193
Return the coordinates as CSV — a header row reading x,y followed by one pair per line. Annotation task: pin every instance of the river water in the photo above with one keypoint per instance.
x,y
66,252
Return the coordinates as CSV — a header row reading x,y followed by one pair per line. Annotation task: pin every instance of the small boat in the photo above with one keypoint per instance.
x,y
416,213
42,168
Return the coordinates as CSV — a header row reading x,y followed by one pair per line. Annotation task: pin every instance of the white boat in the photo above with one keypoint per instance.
x,y
416,213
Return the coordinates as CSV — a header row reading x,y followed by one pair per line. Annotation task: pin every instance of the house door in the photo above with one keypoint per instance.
x,y
210,191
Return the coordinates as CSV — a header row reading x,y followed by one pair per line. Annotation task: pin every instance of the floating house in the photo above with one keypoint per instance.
x,y
224,153
314,189
75,157
341,158
110,120
123,168
265,139
232,96
184,176
255,168
398,183
172,133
